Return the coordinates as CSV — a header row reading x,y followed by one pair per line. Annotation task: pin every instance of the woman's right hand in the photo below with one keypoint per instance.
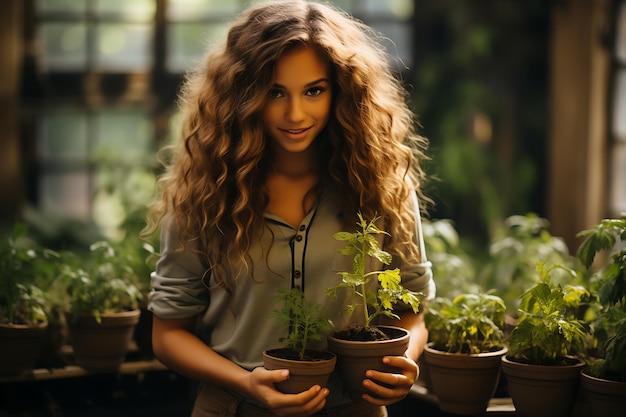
x,y
262,389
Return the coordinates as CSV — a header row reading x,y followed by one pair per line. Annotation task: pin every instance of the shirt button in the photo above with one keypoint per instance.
x,y
302,227
297,274
298,238
297,287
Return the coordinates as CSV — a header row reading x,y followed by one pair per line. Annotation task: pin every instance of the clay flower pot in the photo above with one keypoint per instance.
x,y
463,383
354,358
303,374
603,396
540,390
19,347
102,346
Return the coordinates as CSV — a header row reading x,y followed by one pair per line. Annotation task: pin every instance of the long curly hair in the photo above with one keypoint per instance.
x,y
214,185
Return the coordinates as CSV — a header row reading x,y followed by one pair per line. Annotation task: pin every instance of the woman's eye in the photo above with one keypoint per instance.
x,y
315,91
274,93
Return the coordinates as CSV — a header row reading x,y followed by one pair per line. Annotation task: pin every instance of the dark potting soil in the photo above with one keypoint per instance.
x,y
361,334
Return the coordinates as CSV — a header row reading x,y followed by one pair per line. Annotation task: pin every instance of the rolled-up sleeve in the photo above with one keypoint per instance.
x,y
177,283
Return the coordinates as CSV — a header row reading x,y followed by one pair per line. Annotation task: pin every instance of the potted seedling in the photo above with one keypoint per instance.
x,y
302,320
463,356
23,304
102,308
361,347
604,381
543,365
514,251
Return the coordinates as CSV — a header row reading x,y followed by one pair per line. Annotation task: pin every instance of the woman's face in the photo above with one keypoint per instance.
x,y
300,99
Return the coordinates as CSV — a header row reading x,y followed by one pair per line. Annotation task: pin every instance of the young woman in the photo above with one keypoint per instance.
x,y
291,128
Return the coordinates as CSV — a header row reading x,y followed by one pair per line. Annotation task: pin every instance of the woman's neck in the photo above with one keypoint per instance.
x,y
294,165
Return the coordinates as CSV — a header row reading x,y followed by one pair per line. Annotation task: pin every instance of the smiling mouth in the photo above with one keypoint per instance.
x,y
295,131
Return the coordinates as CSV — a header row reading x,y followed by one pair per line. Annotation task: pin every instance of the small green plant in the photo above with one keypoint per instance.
x,y
470,323
548,329
608,320
104,283
362,244
514,251
301,318
25,269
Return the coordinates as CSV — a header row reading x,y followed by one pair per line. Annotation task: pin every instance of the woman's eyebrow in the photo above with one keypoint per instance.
x,y
321,80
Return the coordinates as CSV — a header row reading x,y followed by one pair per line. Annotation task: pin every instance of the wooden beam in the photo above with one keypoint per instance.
x,y
577,153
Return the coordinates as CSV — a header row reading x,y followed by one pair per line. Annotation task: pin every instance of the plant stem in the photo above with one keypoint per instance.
x,y
363,293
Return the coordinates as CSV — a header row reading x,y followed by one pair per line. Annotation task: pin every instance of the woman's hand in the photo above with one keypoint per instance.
x,y
261,388
398,385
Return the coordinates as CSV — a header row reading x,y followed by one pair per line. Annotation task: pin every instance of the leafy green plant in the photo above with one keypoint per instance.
x,y
25,267
362,244
302,319
449,259
103,283
515,250
470,323
608,317
549,329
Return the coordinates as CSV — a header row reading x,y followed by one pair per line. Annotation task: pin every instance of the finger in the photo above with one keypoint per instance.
x,y
294,405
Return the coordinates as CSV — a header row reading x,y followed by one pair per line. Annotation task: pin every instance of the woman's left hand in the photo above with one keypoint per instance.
x,y
397,386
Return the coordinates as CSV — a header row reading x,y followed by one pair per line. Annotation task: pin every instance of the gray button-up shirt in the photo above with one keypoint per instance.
x,y
236,324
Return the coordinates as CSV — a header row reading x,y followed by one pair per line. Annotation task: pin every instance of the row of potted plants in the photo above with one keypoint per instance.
x,y
571,312
562,335
51,298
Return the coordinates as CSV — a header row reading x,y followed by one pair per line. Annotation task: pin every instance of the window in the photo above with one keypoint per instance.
x,y
107,74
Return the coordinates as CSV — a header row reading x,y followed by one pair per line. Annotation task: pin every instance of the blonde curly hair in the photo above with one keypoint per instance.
x,y
214,185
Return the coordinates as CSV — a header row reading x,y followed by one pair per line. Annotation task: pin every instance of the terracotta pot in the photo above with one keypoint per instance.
x,y
303,374
603,397
354,358
102,346
542,391
19,347
463,383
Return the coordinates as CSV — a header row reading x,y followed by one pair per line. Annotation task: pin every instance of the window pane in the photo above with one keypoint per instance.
x,y
186,43
123,47
123,135
138,10
399,43
64,46
67,194
199,9
399,9
63,137
61,6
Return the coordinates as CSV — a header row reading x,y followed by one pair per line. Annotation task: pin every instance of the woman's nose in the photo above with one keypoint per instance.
x,y
295,111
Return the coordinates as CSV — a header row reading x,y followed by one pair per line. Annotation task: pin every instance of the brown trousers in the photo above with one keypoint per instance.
x,y
213,401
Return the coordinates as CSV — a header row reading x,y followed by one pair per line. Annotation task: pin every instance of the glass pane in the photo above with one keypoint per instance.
x,y
618,178
61,6
64,46
138,10
619,107
122,135
123,47
620,40
63,137
399,43
200,9
67,194
345,5
186,43
399,9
